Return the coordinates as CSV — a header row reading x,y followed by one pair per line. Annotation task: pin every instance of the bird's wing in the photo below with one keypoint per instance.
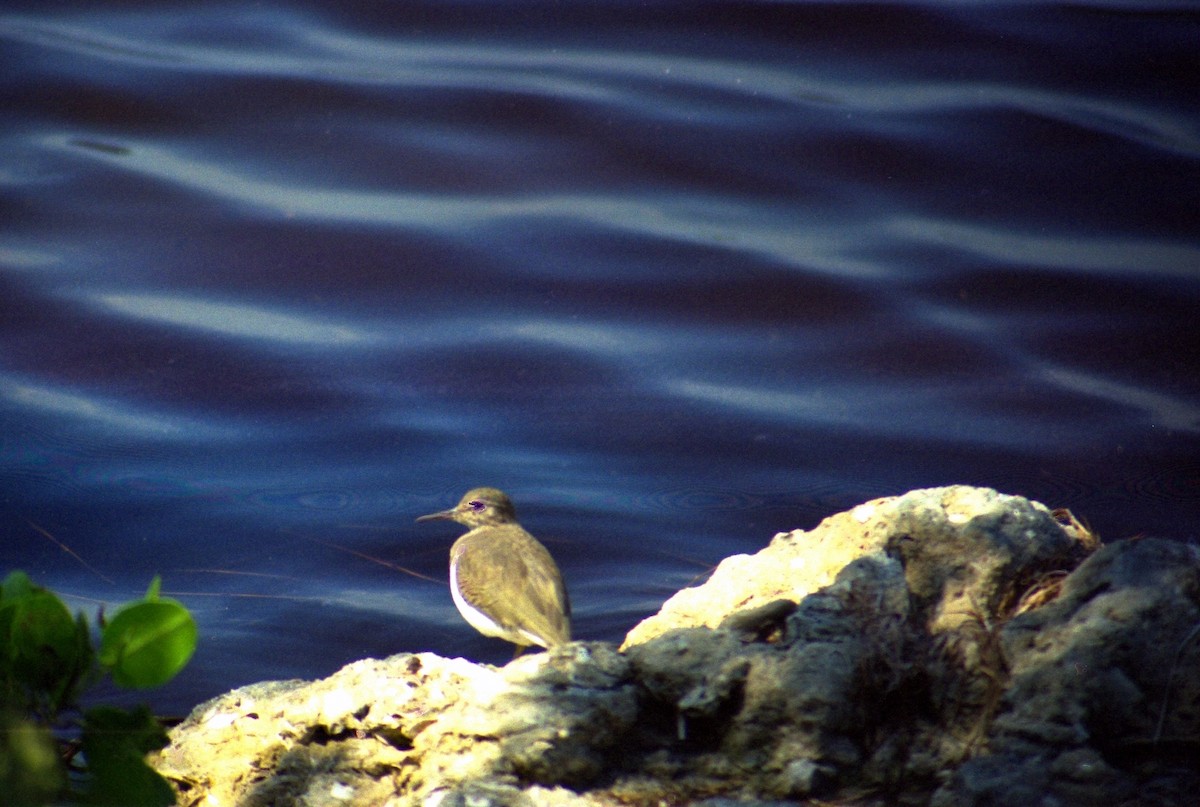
x,y
540,606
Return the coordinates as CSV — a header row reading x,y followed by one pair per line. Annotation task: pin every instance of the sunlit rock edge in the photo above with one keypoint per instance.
x,y
952,646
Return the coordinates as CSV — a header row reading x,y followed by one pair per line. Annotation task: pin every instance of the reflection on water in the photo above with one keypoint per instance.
x,y
273,282
232,319
115,418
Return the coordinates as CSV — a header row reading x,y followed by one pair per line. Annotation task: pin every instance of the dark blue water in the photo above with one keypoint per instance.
x,y
275,279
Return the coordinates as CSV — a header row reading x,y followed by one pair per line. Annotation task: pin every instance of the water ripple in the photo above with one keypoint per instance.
x,y
234,319
109,415
711,222
1087,254
272,272
1161,409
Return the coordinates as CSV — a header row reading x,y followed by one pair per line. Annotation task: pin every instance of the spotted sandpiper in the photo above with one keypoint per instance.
x,y
503,580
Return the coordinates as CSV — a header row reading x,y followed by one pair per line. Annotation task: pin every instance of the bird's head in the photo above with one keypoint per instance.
x,y
479,507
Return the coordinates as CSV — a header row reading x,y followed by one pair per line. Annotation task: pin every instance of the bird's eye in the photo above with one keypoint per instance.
x,y
477,505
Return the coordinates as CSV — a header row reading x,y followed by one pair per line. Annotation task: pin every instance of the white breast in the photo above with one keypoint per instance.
x,y
477,619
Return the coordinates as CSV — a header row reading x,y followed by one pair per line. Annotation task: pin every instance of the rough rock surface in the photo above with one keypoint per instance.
x,y
953,645
1102,702
417,724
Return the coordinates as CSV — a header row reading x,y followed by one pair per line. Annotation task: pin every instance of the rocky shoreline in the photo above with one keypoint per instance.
x,y
951,646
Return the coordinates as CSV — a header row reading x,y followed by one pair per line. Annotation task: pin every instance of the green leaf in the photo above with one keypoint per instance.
x,y
115,743
8,612
30,773
42,641
45,654
15,586
82,673
155,587
147,643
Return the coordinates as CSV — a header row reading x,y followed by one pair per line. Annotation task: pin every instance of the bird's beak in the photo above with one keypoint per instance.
x,y
445,515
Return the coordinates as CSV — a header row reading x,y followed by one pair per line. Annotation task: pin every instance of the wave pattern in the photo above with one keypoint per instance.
x,y
274,280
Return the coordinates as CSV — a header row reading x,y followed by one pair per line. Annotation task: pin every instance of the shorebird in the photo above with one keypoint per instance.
x,y
503,580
